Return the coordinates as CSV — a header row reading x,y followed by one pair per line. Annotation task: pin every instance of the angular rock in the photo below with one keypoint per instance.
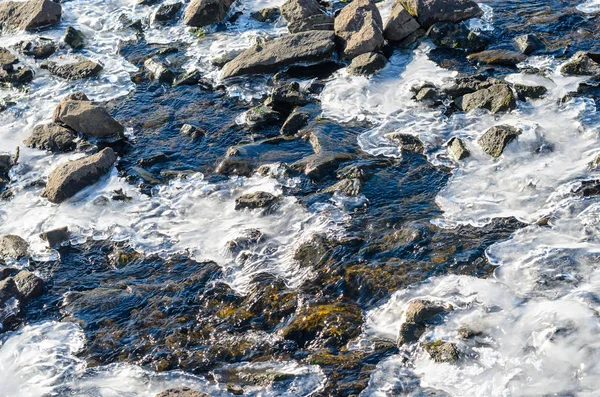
x,y
88,118
409,333
429,12
305,47
52,137
315,22
428,95
400,25
266,14
406,142
29,285
192,131
359,28
367,64
8,290
250,237
319,165
467,84
528,44
349,187
7,161
295,10
457,36
70,178
582,64
166,12
22,75
256,200
159,70
74,38
14,247
29,15
182,392
442,352
39,49
7,59
188,78
498,57
262,115
495,139
200,13
287,96
529,91
294,123
423,311
55,237
497,98
457,149
79,69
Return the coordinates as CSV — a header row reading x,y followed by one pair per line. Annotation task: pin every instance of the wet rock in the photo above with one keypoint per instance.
x,y
495,139
182,392
305,47
29,15
14,247
429,12
7,59
349,187
146,176
29,285
228,56
442,352
457,149
359,28
400,24
256,200
52,137
305,15
192,131
22,75
250,238
159,70
69,178
81,68
528,91
8,290
367,64
528,44
582,64
266,14
315,22
191,77
154,159
497,98
410,333
39,49
319,165
467,84
498,57
294,123
429,95
56,237
6,162
88,118
262,115
167,12
74,38
423,311
406,142
457,36
287,96
200,13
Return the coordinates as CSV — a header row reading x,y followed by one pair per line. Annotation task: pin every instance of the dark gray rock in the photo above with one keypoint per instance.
x,y
429,12
319,165
266,14
367,64
29,15
497,98
56,237
192,131
429,96
249,238
167,12
191,77
315,22
423,312
70,178
582,64
7,161
457,36
88,118
261,116
200,13
528,44
21,75
29,285
442,352
7,59
52,137
287,96
305,47
498,57
256,200
400,24
74,38
349,187
159,70
294,123
495,139
529,91
8,290
457,149
156,158
39,49
14,247
406,142
81,68
409,333
359,28
182,392
295,10
467,84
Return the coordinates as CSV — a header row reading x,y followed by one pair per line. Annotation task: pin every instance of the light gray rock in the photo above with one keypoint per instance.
x,y
12,246
457,149
495,139
528,44
400,24
52,137
200,13
359,28
159,70
88,118
497,98
367,64
582,64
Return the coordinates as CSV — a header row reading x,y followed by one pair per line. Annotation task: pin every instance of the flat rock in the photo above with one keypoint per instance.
x,y
582,64
70,178
429,12
498,57
256,200
55,237
182,392
14,247
74,38
528,44
359,28
305,47
29,15
400,24
52,137
88,118
457,149
79,69
200,13
367,64
497,98
495,139
315,22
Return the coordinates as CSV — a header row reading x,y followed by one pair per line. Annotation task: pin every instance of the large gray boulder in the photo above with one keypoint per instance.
x,y
359,28
429,12
29,15
88,118
52,137
497,98
206,12
12,246
400,24
495,139
305,47
70,178
305,15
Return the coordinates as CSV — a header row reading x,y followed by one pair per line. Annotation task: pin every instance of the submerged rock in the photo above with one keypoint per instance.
x,y
55,237
495,139
419,314
52,137
14,247
249,238
29,15
192,131
39,49
457,149
7,59
8,290
319,165
256,200
429,12
497,98
429,95
8,72
200,13
457,36
312,47
69,178
528,44
74,38
442,352
79,69
498,57
359,28
88,118
406,142
582,64
367,64
315,22
400,24
262,115
182,392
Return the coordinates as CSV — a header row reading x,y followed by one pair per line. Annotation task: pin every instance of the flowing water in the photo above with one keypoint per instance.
x,y
148,293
